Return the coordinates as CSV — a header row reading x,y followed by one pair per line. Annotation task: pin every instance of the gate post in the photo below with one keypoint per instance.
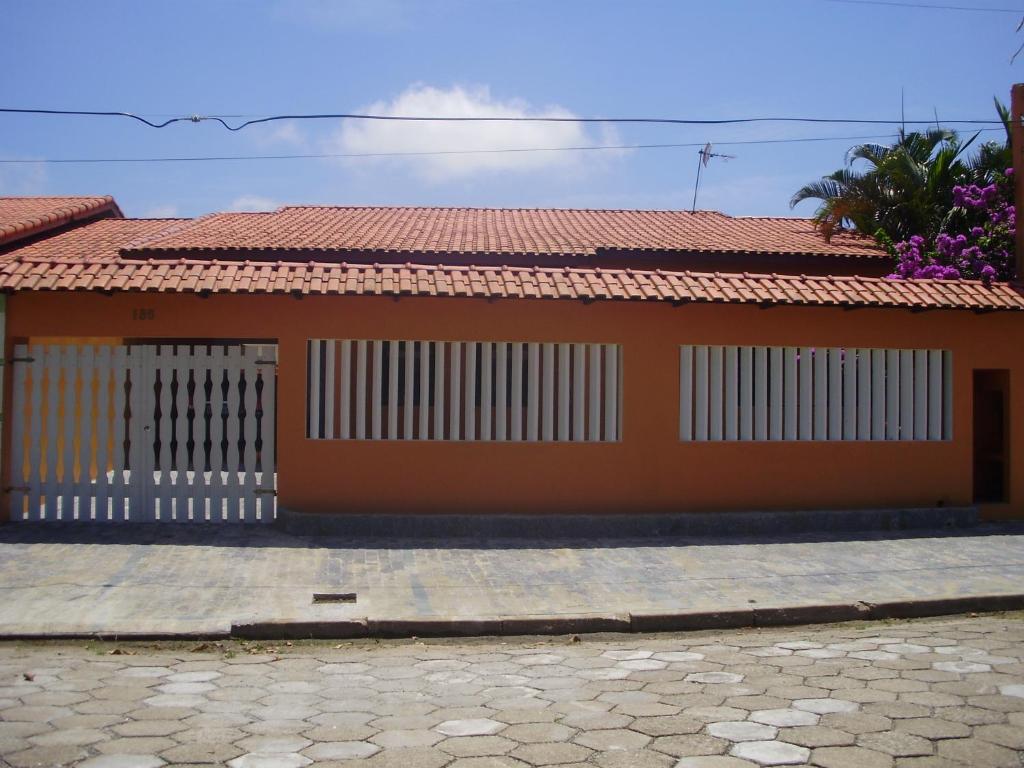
x,y
140,430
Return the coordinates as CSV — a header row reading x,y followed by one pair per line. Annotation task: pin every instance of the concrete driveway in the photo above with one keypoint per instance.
x,y
59,580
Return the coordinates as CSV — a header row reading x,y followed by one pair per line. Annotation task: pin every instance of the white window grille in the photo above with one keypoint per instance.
x,y
463,390
814,393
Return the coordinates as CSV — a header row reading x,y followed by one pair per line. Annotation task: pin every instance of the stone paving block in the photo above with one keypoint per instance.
x,y
550,754
79,737
406,723
755,702
770,752
530,733
782,718
123,761
626,759
490,761
714,677
476,746
816,736
742,731
149,727
40,714
142,745
933,699
256,760
999,703
26,729
1008,736
614,739
896,743
645,709
897,710
149,712
850,757
51,698
35,757
978,753
669,725
470,727
405,739
690,745
591,721
341,750
10,744
933,728
1012,689
825,706
513,716
217,753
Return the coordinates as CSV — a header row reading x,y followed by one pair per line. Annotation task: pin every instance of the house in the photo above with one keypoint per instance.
x,y
25,219
434,360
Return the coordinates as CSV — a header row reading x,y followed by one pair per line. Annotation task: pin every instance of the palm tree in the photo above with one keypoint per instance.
x,y
905,190
993,157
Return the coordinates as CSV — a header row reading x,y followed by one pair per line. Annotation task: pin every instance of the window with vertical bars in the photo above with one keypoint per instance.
x,y
814,393
360,389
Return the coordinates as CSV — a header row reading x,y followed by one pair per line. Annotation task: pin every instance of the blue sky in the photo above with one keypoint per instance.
x,y
712,59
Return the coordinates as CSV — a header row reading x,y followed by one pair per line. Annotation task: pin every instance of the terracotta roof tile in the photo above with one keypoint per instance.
x,y
26,274
496,231
21,217
97,241
87,258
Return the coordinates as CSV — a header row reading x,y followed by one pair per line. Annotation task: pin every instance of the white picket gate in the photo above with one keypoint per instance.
x,y
144,433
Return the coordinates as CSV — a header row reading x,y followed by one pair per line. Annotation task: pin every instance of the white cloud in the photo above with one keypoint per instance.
x,y
271,134
253,203
370,136
161,212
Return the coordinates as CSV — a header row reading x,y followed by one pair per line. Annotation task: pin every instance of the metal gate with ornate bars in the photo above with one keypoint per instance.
x,y
180,432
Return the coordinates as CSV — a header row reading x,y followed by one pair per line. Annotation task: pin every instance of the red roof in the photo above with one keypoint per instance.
x,y
97,241
100,256
498,231
312,278
22,217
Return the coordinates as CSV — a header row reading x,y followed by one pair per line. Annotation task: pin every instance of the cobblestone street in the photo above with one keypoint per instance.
x,y
934,693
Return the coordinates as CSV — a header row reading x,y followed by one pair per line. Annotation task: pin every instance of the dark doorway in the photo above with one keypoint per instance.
x,y
991,436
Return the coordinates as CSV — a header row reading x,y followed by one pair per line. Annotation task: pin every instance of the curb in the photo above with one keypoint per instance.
x,y
114,637
683,621
563,624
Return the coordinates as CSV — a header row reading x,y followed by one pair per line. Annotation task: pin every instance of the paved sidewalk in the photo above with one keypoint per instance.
x,y
923,694
166,580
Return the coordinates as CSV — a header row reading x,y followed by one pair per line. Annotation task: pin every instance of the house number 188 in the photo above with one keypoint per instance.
x,y
143,313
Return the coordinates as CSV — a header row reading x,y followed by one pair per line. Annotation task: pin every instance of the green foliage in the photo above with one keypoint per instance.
x,y
907,188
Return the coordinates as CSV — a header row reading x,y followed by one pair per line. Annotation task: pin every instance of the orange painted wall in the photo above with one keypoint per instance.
x,y
649,470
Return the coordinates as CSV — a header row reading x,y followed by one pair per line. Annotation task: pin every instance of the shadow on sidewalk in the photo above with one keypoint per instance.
x,y
256,536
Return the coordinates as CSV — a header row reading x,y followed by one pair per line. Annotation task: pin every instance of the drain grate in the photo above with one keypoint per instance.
x,y
334,597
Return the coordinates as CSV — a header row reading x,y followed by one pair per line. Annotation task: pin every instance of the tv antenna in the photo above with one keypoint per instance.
x,y
703,158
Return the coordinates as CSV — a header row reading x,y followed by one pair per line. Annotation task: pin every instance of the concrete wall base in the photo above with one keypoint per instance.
x,y
626,525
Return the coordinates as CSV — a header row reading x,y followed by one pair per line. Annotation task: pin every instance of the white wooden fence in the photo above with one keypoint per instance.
x,y
814,393
463,390
142,433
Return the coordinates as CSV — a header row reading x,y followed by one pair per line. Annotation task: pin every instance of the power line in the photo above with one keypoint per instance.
x,y
520,119
434,153
931,6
